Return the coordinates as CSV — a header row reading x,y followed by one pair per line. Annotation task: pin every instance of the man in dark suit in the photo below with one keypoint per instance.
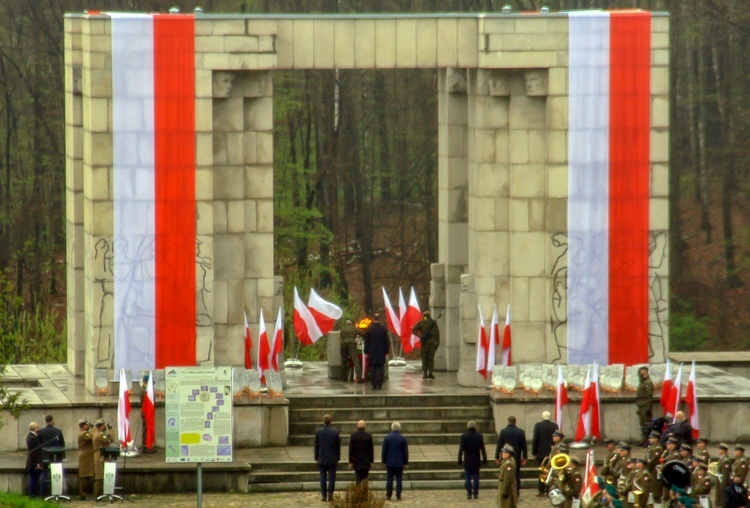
x,y
377,348
515,437
472,454
34,460
361,452
395,456
327,455
49,437
541,445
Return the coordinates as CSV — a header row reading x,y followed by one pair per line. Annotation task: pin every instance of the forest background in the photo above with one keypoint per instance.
x,y
356,168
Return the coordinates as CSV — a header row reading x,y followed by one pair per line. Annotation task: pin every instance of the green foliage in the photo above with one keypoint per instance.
x,y
358,496
9,500
687,332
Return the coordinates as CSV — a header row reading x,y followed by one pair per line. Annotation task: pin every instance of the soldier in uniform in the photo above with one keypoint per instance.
x,y
610,459
572,482
701,483
653,456
739,467
349,352
686,451
557,438
701,451
670,454
724,469
644,398
620,469
507,495
101,439
625,483
643,482
429,335
85,459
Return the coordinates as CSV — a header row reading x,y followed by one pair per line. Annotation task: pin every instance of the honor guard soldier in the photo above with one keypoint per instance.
x,y
686,452
507,494
653,457
670,454
570,484
100,439
701,483
86,464
724,469
739,467
701,450
644,399
610,459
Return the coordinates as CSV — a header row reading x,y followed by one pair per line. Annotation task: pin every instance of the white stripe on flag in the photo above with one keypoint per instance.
x,y
588,189
133,190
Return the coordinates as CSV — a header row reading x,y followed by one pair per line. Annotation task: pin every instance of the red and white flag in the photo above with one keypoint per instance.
x,y
590,485
561,397
666,391
248,347
148,409
483,343
608,186
123,410
506,340
410,318
278,341
153,190
588,415
493,341
391,318
674,395
325,313
304,323
264,349
691,398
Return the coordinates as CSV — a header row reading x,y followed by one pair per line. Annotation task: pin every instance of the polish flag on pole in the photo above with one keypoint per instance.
x,y
403,324
123,411
148,409
305,327
666,390
590,485
483,343
494,340
278,341
674,394
392,319
588,415
324,312
414,315
248,346
561,397
264,350
506,340
691,398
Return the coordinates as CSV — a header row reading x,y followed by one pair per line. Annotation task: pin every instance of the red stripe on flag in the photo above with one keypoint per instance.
x,y
174,140
630,57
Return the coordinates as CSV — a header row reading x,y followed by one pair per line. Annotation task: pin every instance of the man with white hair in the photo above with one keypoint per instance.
x,y
395,456
541,446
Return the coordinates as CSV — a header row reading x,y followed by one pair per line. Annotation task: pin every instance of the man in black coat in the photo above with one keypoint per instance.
x,y
515,437
395,455
327,456
361,452
735,494
49,437
541,445
34,460
377,348
469,451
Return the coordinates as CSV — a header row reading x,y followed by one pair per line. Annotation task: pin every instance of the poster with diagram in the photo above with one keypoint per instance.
x,y
198,411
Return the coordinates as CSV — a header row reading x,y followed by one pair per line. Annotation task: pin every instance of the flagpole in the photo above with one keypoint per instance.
x,y
396,361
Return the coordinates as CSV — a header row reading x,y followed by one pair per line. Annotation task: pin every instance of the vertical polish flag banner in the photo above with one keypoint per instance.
x,y
493,342
278,341
561,398
148,409
248,346
392,319
325,313
506,340
589,415
674,395
123,411
264,350
691,398
608,187
666,390
483,345
305,325
153,108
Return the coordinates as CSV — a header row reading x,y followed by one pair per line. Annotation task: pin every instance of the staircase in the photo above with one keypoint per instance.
x,y
426,420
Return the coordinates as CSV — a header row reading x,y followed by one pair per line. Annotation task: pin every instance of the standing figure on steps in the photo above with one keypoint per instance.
x,y
429,336
507,494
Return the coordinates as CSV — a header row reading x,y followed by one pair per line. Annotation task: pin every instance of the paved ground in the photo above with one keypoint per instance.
x,y
421,498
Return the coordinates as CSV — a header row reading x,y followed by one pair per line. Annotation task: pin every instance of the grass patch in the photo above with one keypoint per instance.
x,y
19,501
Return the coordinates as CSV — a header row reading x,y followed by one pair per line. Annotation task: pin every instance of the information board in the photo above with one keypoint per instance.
x,y
198,411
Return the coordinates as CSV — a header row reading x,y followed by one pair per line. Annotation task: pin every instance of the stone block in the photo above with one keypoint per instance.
x,y
660,24
97,83
484,147
219,149
660,40
323,31
229,183
96,114
659,112
235,148
285,44
265,216
486,284
267,61
303,44
454,174
537,214
659,145
537,147
204,148
220,216
557,146
229,256
454,238
529,112
209,44
426,43
241,44
659,180
264,147
97,148
557,113
447,42
98,183
258,254
204,217
527,253
491,42
549,41
659,214
502,214
519,147
203,84
660,81
278,428
364,43
267,43
494,180
251,216
491,112
515,42
385,43
555,215
259,26
559,25
538,298
531,25
557,81
660,57
502,146
235,216
528,350
519,290
519,214
258,182
406,43
482,214
344,47
456,140
228,27
497,26
467,54
259,114
453,205
203,115
557,181
227,115
249,147
492,261
520,59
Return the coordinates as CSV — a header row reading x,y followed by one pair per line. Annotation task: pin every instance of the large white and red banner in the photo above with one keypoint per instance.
x,y
608,187
153,106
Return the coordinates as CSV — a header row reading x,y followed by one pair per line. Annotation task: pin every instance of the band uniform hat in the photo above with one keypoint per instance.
x,y
673,440
574,459
739,447
508,449
100,421
426,313
724,446
684,447
622,445
83,421
702,440
641,460
558,434
701,462
562,447
654,433
608,441
633,460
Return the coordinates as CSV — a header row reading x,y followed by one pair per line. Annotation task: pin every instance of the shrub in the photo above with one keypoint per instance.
x,y
358,496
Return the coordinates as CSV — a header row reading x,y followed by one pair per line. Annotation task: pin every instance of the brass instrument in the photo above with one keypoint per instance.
x,y
637,494
544,470
558,463
713,470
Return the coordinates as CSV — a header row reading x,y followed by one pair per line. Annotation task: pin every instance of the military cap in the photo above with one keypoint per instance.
x,y
426,313
508,449
739,447
724,446
641,460
558,434
632,460
654,434
608,441
574,459
622,445
83,421
673,440
702,440
684,447
701,462
100,421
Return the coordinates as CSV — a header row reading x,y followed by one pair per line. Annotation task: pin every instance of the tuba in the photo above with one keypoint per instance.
x,y
558,463
713,470
544,470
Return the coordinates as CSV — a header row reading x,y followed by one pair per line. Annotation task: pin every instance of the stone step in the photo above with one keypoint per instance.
x,y
487,487
375,474
427,438
380,428
388,401
414,466
338,414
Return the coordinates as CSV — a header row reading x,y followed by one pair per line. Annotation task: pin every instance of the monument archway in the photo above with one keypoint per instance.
x,y
505,172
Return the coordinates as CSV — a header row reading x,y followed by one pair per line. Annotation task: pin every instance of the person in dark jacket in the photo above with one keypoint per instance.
x,y
541,446
395,456
49,437
472,454
515,437
327,456
377,348
735,494
361,452
34,460
684,430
